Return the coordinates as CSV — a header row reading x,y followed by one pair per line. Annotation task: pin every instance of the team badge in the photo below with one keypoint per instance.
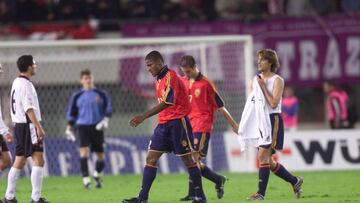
x,y
197,92
98,99
196,141
184,143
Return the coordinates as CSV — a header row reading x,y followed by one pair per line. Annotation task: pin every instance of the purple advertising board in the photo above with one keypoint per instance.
x,y
310,49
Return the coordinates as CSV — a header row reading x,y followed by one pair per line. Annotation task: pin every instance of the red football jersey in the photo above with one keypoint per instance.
x,y
204,100
171,90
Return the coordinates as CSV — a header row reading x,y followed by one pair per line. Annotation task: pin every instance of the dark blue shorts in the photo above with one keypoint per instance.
x,y
174,136
277,130
201,143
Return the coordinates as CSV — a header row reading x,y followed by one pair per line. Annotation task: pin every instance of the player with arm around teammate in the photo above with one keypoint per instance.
x,y
204,101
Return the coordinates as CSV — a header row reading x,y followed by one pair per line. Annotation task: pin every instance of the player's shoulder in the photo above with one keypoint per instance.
x,y
22,81
207,82
100,91
279,79
77,93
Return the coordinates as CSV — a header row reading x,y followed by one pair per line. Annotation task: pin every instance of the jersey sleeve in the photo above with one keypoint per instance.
x,y
28,97
168,94
107,105
216,99
3,128
72,112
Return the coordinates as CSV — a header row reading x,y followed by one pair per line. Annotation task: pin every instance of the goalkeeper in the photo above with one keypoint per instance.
x,y
89,110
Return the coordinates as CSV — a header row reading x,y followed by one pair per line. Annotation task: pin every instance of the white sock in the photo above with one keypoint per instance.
x,y
37,176
96,174
86,180
13,175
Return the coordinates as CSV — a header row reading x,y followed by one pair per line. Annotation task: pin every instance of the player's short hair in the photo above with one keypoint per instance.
x,y
85,72
24,62
154,56
187,61
271,56
331,83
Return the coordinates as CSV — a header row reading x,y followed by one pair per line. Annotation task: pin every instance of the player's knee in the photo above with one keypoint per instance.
x,y
19,162
188,161
263,158
100,156
38,159
5,161
150,160
84,152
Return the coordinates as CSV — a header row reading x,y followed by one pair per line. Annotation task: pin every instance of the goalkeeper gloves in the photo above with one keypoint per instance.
x,y
70,134
104,123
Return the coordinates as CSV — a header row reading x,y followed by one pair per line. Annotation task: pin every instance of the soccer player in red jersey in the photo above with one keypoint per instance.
x,y
173,132
204,101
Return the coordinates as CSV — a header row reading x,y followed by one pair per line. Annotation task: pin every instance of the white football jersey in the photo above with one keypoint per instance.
x,y
3,128
23,97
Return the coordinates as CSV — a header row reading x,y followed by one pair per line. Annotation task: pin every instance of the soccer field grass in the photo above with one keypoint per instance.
x,y
334,186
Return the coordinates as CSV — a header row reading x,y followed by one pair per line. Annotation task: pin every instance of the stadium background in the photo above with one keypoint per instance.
x,y
316,40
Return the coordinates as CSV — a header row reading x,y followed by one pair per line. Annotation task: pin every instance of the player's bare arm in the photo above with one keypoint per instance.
x,y
225,113
272,98
155,110
39,129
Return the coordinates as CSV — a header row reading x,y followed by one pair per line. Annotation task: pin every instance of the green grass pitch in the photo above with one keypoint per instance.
x,y
334,186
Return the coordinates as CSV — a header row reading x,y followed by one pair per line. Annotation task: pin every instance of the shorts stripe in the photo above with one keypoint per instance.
x,y
202,141
183,121
183,154
275,131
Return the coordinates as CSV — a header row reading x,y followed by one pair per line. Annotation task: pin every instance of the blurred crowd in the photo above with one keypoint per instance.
x,y
13,11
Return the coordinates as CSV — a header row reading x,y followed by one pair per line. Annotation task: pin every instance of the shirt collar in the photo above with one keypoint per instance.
x,y
23,76
198,77
163,72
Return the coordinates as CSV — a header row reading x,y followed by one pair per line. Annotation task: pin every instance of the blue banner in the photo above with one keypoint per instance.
x,y
124,155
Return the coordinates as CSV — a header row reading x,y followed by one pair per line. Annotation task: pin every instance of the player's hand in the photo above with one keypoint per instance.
x,y
136,120
9,138
235,128
40,133
261,81
70,135
103,124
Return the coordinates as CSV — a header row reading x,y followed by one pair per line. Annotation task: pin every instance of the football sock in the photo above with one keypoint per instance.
x,y
264,172
191,191
13,175
281,171
99,166
195,175
86,180
211,175
84,166
148,178
37,176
